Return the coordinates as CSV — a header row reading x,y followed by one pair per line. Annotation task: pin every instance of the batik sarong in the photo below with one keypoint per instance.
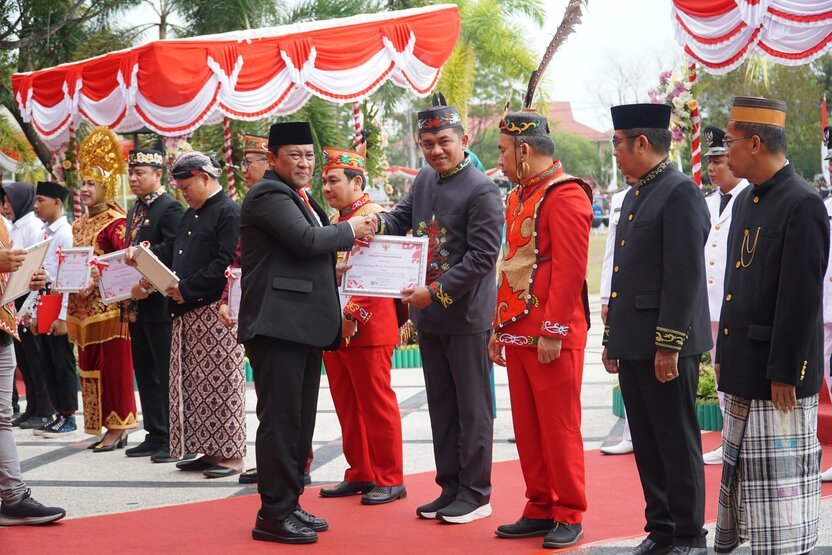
x,y
770,491
207,387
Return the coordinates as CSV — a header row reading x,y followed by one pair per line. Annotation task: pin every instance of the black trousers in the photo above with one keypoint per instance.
x,y
58,360
668,449
150,347
287,377
457,379
28,353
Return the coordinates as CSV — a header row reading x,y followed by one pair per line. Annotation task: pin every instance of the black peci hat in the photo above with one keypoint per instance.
x,y
641,116
52,190
290,133
714,137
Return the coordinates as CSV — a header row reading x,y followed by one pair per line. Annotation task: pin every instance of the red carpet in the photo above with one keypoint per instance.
x,y
224,526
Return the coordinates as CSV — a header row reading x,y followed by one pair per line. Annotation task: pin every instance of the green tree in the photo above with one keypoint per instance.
x,y
801,87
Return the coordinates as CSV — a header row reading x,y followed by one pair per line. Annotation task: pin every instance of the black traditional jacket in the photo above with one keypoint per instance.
x,y
462,215
658,295
771,326
205,246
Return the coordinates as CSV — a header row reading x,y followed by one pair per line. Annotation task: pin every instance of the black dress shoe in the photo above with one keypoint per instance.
x,y
249,476
194,465
345,489
219,471
688,550
310,521
649,547
380,495
563,535
143,449
163,456
289,530
525,528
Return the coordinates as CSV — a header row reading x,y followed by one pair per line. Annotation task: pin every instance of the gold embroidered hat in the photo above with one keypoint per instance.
x,y
335,158
524,124
749,109
255,144
100,158
146,157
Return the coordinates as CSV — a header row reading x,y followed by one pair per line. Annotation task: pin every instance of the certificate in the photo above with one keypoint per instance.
x,y
235,292
18,284
159,275
117,278
385,266
73,269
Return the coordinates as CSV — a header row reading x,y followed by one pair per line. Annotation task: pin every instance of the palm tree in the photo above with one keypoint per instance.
x,y
490,45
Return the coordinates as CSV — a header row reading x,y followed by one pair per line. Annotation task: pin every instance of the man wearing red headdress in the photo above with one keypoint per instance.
x,y
359,371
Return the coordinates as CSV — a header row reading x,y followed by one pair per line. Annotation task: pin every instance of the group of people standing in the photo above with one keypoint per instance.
x,y
530,313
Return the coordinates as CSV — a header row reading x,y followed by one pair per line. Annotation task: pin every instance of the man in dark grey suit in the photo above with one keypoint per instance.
x,y
289,313
460,210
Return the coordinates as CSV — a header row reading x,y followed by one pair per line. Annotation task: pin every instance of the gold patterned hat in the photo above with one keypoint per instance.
x,y
335,158
100,158
748,109
255,144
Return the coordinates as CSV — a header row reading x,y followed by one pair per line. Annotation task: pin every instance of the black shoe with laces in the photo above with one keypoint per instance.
x,y
563,535
290,530
309,520
28,511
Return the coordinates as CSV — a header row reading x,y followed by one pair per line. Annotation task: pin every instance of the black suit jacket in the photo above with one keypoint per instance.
x,y
658,294
771,325
289,290
159,229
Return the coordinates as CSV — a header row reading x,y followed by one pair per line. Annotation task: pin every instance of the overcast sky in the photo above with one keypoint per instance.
x,y
621,45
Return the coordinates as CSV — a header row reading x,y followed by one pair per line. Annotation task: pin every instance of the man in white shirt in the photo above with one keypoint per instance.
x,y
720,205
626,445
58,358
18,199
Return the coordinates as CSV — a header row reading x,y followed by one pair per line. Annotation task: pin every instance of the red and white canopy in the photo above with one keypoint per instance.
x,y
720,34
174,86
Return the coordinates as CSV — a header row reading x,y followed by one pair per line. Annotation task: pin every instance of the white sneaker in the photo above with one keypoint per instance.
x,y
462,512
623,448
714,457
826,476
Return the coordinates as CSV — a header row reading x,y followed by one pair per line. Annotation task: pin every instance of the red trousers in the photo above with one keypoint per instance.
x,y
546,410
367,408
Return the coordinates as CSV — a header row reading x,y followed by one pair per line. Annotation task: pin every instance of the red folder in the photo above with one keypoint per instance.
x,y
49,308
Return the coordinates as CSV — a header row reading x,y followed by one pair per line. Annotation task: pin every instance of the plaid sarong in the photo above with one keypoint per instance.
x,y
770,490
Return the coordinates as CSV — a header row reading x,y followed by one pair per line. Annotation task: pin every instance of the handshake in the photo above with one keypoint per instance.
x,y
364,227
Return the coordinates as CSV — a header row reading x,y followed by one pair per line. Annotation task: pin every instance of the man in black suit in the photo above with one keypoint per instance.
x,y
289,313
154,219
658,327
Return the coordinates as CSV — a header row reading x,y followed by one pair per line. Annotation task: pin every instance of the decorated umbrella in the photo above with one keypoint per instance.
x,y
174,86
718,35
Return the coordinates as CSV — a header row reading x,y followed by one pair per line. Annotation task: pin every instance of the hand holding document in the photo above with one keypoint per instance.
x,y
19,281
154,271
117,277
73,269
386,266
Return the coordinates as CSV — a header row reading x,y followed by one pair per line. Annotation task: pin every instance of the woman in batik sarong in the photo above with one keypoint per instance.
x,y
104,359
207,377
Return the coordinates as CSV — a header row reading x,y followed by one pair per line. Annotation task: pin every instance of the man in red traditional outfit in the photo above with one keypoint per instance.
x,y
359,371
542,319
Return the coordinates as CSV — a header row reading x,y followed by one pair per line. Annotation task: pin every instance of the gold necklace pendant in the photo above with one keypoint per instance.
x,y
747,248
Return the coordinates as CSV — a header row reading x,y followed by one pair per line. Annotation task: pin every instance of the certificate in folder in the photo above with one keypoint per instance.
x,y
154,271
18,284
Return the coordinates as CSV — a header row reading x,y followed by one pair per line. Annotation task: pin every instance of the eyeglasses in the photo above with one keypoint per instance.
x,y
246,162
618,140
729,142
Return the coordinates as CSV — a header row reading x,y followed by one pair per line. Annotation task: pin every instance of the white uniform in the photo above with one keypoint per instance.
x,y
716,251
827,306
616,202
606,268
